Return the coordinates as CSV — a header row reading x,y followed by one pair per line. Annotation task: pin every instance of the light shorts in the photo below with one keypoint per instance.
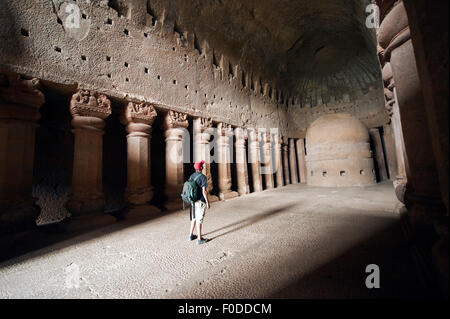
x,y
199,211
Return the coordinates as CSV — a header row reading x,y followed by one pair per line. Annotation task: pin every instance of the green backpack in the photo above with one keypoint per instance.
x,y
191,190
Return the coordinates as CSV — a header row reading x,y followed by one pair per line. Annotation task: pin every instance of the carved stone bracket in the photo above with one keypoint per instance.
x,y
90,104
18,92
224,129
255,136
285,141
267,137
21,91
20,100
278,139
241,134
205,124
175,120
143,113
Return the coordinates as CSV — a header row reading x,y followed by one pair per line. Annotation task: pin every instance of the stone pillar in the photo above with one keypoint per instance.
x,y
427,21
301,159
293,161
268,163
202,135
255,159
224,144
379,153
20,101
389,143
241,161
287,177
279,160
421,90
422,197
138,118
175,125
402,160
89,109
399,180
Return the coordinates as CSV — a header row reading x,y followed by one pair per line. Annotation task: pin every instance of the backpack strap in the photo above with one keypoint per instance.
x,y
197,177
191,178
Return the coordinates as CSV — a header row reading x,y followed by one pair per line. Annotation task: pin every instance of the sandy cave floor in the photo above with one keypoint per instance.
x,y
293,242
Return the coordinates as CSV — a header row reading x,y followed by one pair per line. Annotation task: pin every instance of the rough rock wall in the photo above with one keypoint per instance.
x,y
124,50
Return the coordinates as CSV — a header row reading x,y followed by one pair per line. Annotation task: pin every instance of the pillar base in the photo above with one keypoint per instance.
x,y
244,191
213,198
139,196
400,189
423,213
79,207
176,204
228,195
18,217
257,189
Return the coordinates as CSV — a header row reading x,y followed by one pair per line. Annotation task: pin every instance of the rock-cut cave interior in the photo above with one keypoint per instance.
x,y
322,124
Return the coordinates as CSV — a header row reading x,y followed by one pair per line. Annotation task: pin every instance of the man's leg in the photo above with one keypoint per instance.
x,y
193,220
191,233
201,209
199,230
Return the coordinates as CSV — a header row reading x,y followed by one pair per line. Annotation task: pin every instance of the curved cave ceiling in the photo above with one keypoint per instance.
x,y
315,50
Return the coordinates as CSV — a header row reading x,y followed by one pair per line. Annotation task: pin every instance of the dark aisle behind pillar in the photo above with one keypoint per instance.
x,y
53,160
114,160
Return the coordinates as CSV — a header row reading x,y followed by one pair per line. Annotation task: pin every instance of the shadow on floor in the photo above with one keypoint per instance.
x,y
247,222
345,276
84,229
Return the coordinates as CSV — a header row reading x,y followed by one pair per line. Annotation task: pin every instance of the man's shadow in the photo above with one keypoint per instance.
x,y
248,221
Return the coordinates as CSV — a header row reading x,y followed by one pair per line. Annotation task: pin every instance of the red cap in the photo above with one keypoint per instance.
x,y
199,165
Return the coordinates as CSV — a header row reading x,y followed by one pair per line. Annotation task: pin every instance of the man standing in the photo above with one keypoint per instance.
x,y
200,204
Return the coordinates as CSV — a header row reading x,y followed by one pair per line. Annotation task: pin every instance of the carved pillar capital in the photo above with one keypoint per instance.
x,y
285,143
394,30
278,141
267,138
87,103
175,119
241,137
202,124
135,112
16,92
20,100
255,135
241,134
224,129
